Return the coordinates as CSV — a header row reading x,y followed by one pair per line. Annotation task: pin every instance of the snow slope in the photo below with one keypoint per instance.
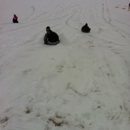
x,y
83,83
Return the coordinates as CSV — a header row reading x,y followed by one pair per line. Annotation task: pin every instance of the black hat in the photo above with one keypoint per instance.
x,y
47,28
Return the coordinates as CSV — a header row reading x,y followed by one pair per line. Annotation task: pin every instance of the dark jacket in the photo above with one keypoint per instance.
x,y
15,20
51,38
85,28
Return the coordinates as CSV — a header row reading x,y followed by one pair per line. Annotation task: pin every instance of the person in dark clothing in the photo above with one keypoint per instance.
x,y
15,19
129,6
51,38
85,28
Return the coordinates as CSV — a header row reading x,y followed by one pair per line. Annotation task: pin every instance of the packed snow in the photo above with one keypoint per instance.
x,y
83,83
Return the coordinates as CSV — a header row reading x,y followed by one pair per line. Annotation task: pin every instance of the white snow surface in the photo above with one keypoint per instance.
x,y
83,83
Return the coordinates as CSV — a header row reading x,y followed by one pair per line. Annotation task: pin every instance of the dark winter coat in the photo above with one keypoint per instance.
x,y
85,28
51,38
15,20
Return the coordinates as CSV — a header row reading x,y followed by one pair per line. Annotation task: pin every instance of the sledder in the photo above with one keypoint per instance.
x,y
15,19
129,6
51,38
85,28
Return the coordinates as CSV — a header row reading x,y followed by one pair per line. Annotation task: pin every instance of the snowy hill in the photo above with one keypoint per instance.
x,y
83,83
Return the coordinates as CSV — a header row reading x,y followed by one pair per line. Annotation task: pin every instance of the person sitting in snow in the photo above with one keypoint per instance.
x,y
51,38
85,28
15,19
129,6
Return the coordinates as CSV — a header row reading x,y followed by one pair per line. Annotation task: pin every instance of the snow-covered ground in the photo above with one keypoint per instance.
x,y
83,83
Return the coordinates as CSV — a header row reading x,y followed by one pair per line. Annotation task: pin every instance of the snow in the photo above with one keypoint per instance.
x,y
83,83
